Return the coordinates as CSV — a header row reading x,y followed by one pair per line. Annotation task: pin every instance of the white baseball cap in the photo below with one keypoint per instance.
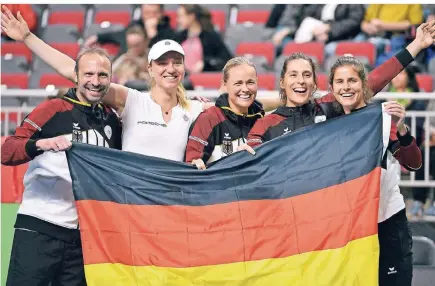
x,y
162,47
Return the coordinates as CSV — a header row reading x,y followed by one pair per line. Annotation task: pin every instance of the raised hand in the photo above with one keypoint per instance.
x,y
425,34
397,112
16,29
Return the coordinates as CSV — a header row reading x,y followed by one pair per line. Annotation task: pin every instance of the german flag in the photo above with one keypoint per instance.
x,y
302,211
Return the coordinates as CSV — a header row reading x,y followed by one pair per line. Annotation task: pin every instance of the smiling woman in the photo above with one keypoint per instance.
x,y
220,130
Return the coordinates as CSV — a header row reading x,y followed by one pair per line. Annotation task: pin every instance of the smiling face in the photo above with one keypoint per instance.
x,y
241,86
348,89
93,77
298,82
168,70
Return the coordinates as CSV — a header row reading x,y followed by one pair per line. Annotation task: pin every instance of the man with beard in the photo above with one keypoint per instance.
x,y
47,246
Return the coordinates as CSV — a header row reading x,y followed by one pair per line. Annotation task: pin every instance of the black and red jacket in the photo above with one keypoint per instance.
x,y
287,119
219,130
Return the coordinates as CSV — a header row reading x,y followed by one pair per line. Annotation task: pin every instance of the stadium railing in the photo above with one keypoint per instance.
x,y
406,181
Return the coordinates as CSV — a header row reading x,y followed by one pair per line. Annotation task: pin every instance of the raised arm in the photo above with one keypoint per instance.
x,y
382,75
17,29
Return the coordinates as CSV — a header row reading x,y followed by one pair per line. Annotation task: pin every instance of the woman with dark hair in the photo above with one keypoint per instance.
x,y
348,81
205,50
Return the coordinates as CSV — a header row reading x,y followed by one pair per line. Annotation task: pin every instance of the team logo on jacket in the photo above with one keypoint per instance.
x,y
227,144
286,130
108,131
319,118
77,135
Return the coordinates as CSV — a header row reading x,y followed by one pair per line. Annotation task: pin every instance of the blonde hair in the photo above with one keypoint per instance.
x,y
181,94
237,61
358,68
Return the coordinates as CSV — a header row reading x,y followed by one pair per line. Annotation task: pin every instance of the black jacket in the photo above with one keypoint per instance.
x,y
216,53
218,129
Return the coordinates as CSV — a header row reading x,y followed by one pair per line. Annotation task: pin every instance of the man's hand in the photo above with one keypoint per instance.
x,y
56,144
16,29
199,163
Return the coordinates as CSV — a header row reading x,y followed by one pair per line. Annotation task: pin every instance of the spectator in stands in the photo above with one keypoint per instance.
x,y
205,50
154,23
407,82
326,23
387,24
133,65
28,14
330,24
420,194
47,249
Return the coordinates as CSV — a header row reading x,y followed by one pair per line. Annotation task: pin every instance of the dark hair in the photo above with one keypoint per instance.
x,y
359,68
411,71
295,56
202,15
91,50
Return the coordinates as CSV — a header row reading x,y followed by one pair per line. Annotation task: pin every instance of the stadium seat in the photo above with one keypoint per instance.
x,y
14,64
15,80
95,29
114,7
54,79
70,49
172,18
61,33
364,49
261,63
112,49
322,82
425,82
76,18
313,49
253,16
246,32
219,20
121,17
243,7
266,81
16,49
257,48
209,80
423,250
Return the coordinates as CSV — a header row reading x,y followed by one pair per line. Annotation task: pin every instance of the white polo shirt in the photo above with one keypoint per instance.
x,y
145,132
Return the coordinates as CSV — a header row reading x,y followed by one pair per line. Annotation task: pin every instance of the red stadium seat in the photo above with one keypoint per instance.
x,y
314,49
267,81
209,80
16,48
68,17
219,19
425,82
257,49
254,16
322,82
172,18
364,49
70,49
120,17
54,79
15,80
112,49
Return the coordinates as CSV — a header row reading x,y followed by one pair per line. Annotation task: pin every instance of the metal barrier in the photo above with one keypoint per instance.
x,y
20,112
